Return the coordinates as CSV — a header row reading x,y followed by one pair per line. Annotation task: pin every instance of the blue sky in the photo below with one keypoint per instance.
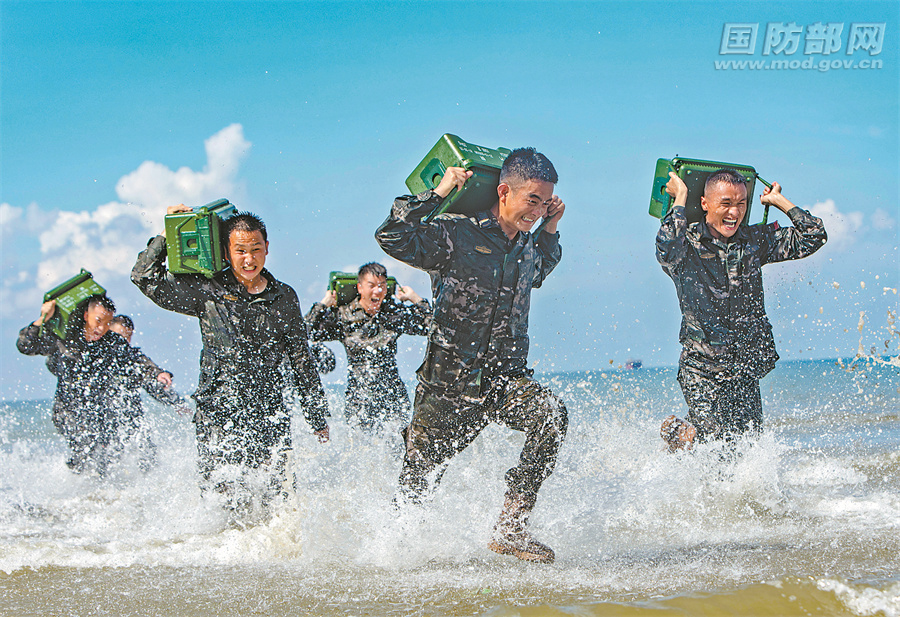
x,y
313,114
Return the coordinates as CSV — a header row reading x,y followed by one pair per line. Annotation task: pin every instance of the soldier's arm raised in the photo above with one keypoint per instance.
x,y
671,238
803,239
406,237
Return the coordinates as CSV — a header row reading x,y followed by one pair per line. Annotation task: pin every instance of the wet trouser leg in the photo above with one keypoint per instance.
x,y
263,446
721,406
441,427
525,405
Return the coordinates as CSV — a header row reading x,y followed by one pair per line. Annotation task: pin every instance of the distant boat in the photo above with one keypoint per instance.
x,y
633,364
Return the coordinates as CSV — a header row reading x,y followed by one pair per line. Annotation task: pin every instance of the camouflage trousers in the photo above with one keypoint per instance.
x,y
89,437
242,457
442,427
722,406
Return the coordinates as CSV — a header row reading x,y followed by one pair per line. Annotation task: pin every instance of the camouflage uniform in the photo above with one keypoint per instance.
x,y
88,373
727,342
375,393
475,370
132,426
241,418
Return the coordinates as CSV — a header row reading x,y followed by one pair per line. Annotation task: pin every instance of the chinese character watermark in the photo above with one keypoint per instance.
x,y
823,39
738,39
783,39
869,37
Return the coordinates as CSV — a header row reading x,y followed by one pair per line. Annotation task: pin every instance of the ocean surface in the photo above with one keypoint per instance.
x,y
804,521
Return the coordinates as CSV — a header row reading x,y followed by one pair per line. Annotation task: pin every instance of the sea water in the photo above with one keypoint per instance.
x,y
803,521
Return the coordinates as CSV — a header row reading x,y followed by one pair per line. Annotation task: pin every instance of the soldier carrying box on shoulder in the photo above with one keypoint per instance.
x,y
483,267
716,265
249,322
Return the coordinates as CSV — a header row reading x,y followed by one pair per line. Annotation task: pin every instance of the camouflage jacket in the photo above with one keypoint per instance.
x,y
245,339
127,399
720,290
88,375
130,386
481,284
370,340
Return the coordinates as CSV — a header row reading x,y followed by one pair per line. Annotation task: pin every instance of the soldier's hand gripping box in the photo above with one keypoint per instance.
x,y
694,173
479,192
194,239
344,286
68,296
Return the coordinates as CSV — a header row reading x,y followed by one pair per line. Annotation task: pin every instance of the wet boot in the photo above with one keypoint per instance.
x,y
511,537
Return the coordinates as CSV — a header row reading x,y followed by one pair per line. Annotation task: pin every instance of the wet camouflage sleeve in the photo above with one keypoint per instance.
x,y
323,323
403,236
802,240
33,342
183,293
306,378
773,244
148,371
550,252
429,246
413,319
167,395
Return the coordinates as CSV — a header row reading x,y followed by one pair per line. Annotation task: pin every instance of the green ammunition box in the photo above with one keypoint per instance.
x,y
694,172
479,192
193,239
68,295
344,284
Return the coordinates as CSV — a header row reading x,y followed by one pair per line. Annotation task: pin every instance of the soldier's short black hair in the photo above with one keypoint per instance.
x,y
101,299
243,221
123,320
725,176
524,164
373,268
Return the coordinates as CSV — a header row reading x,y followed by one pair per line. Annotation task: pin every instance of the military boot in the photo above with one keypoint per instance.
x,y
511,536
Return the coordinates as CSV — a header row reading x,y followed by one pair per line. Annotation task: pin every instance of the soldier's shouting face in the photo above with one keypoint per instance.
x,y
372,290
725,206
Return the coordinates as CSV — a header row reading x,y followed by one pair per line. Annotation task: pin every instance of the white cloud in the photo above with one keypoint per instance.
x,y
106,239
9,215
881,220
842,228
155,187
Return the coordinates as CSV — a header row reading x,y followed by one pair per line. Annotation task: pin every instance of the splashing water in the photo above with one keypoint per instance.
x,y
807,518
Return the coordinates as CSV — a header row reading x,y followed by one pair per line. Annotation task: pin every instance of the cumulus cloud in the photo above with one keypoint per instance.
x,y
155,187
881,220
9,215
842,227
106,239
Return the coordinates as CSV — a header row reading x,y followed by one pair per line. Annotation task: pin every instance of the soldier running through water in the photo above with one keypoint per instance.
x,y
88,364
483,268
369,327
716,265
133,427
250,323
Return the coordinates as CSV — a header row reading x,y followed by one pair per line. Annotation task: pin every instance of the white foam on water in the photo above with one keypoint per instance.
x,y
621,513
864,600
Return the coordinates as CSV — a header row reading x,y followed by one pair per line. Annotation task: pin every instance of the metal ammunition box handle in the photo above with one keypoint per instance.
x,y
71,284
